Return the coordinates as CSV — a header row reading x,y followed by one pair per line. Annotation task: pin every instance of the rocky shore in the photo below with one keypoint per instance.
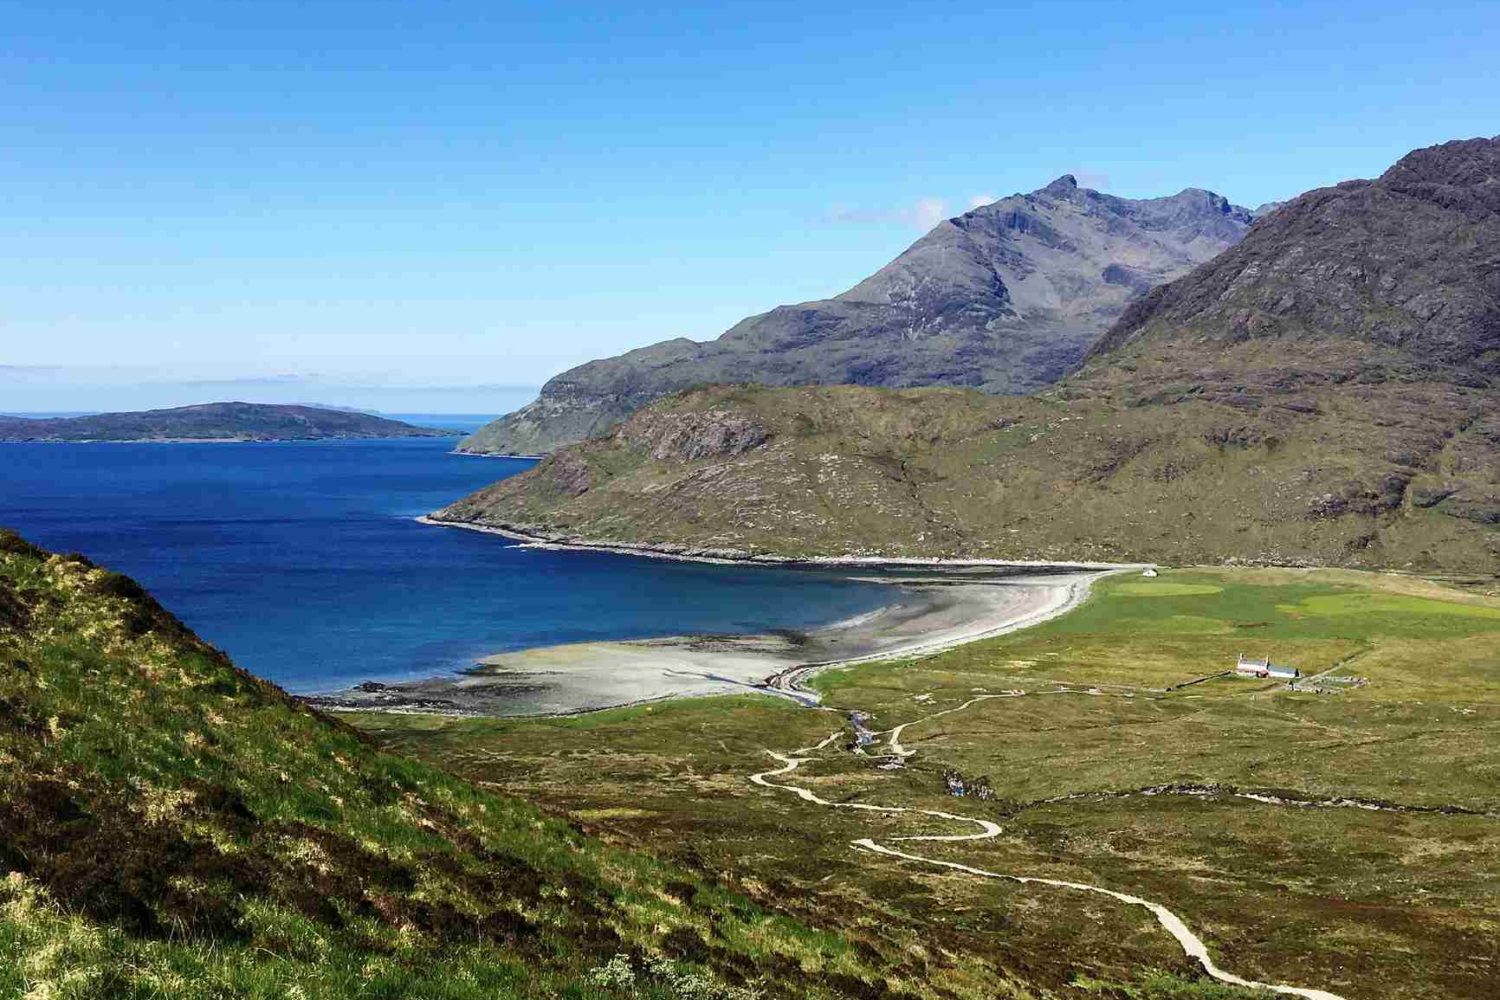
x,y
535,536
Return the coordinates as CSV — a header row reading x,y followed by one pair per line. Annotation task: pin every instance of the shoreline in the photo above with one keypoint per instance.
x,y
487,454
924,617
793,680
231,440
684,553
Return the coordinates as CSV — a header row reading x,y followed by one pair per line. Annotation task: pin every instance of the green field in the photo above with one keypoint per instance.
x,y
1366,903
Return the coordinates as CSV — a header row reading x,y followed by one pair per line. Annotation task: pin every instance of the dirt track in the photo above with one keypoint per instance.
x,y
1191,944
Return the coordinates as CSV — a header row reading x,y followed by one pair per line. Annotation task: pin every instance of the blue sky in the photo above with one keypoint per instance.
x,y
439,205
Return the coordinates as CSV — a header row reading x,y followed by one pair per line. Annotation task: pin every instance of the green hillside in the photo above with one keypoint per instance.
x,y
1349,477
172,827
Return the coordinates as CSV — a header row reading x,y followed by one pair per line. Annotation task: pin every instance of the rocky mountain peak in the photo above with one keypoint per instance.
x,y
1004,298
1064,187
1206,199
1463,163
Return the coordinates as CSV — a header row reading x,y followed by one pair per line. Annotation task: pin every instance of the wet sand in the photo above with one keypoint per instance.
x,y
927,613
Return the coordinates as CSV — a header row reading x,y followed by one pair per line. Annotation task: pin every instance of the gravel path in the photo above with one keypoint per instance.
x,y
1073,594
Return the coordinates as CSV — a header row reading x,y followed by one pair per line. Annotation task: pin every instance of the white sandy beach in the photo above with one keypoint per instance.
x,y
927,614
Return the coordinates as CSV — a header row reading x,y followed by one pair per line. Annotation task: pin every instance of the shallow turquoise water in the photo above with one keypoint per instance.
x,y
303,560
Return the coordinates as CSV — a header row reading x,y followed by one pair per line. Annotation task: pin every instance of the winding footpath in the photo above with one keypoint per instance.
x,y
1192,945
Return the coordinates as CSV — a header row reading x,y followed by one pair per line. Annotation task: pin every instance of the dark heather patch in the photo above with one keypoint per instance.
x,y
225,803
687,944
13,611
683,892
13,544
17,716
98,857
784,969
142,613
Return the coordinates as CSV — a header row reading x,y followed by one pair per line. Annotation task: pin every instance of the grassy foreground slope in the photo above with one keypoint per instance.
x,y
1105,771
172,827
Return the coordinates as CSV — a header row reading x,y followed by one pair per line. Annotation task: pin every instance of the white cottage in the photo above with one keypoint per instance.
x,y
1249,666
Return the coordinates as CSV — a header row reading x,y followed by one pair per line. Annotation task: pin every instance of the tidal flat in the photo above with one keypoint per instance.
x,y
928,612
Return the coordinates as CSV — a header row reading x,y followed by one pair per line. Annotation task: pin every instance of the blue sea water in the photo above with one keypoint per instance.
x,y
465,422
302,559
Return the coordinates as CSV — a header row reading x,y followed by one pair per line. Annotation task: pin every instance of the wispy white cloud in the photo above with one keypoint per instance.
x,y
1092,179
928,212
285,379
923,214
98,388
980,200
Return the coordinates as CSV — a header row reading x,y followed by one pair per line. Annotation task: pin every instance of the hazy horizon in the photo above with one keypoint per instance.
x,y
30,390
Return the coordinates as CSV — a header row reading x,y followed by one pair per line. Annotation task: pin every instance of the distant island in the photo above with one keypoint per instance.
x,y
214,422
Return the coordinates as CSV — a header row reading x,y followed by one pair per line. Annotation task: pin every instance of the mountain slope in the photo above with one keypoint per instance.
x,y
1322,393
213,422
1403,270
1004,299
172,826
845,470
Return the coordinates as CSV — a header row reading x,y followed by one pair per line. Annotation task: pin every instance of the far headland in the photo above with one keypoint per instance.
x,y
227,422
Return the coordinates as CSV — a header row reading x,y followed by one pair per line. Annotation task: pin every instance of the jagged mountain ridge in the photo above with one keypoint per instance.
x,y
1004,298
1321,394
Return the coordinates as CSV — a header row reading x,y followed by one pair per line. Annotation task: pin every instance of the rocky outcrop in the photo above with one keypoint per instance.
x,y
687,437
567,474
1004,299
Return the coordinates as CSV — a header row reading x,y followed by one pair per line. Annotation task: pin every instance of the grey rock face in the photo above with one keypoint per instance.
x,y
568,473
1402,271
687,437
1005,298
